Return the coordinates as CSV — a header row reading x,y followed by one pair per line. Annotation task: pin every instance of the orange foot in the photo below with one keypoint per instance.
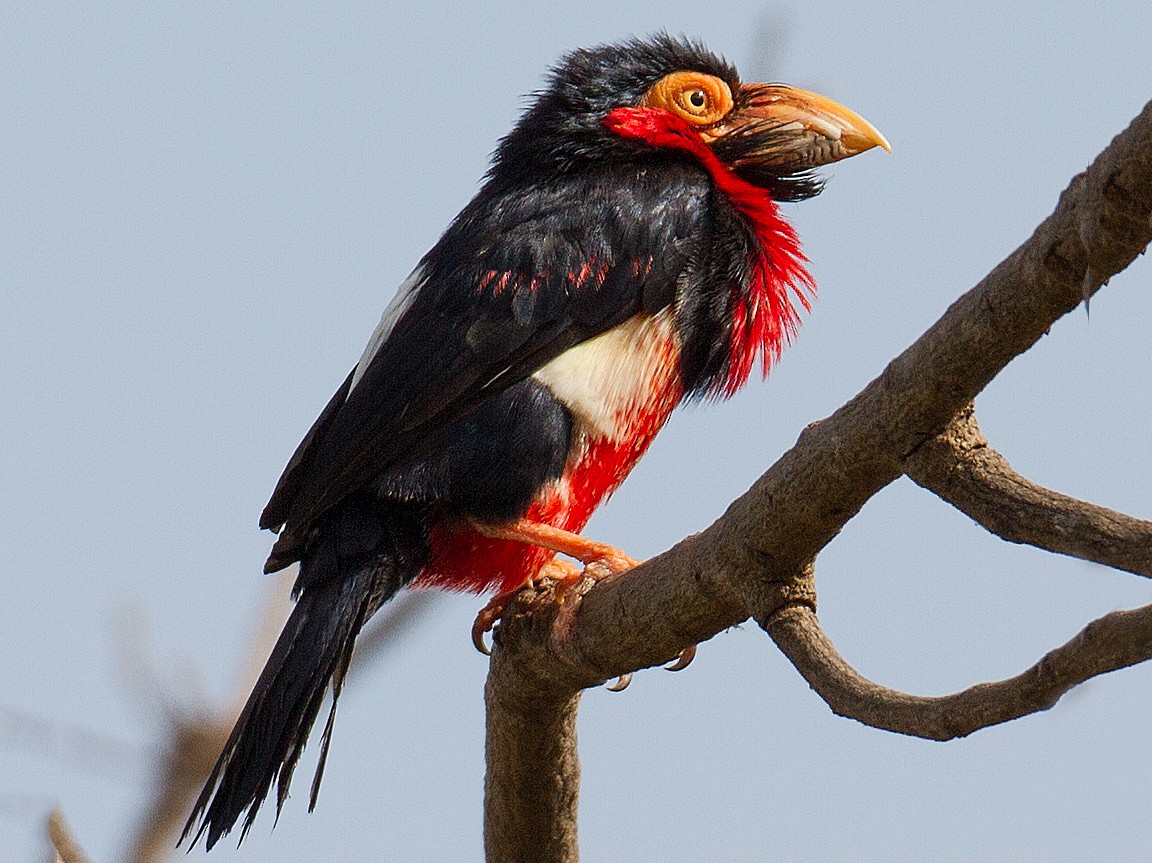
x,y
559,571
570,594
600,561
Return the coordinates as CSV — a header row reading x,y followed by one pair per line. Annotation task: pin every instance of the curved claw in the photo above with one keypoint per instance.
x,y
683,660
479,627
486,618
621,683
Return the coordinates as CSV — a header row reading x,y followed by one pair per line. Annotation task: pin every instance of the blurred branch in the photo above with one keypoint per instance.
x,y
960,467
195,737
63,843
191,735
193,746
756,559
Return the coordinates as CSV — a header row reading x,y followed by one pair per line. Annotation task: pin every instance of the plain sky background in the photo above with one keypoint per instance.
x,y
204,208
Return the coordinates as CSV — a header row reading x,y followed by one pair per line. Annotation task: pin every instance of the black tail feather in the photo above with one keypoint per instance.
x,y
272,730
364,556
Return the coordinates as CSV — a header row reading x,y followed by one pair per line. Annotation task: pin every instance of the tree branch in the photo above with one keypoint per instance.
x,y
191,748
753,560
194,736
533,774
64,844
1114,641
960,467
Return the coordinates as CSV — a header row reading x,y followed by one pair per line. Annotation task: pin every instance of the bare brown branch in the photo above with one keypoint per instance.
x,y
960,467
747,563
532,781
1114,641
533,777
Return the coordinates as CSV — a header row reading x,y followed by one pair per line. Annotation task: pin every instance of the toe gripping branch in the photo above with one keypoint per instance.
x,y
600,561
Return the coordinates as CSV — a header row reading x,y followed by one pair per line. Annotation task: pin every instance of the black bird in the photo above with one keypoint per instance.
x,y
624,252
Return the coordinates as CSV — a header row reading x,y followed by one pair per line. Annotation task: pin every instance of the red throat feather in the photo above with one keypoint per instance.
x,y
764,319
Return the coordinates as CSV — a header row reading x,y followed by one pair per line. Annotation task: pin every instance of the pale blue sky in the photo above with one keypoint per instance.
x,y
205,206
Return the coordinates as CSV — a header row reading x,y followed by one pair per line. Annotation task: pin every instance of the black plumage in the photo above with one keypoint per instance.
x,y
580,227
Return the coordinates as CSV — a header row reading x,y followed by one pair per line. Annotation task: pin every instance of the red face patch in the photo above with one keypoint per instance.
x,y
765,318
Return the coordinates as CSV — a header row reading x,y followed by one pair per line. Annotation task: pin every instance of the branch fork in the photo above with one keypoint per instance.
x,y
757,560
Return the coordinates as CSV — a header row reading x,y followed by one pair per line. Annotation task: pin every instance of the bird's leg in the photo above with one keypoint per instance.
x,y
600,561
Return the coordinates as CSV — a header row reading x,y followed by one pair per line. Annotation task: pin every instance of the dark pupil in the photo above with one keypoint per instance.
x,y
697,99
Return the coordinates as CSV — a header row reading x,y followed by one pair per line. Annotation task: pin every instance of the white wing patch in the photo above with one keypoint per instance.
x,y
400,303
607,381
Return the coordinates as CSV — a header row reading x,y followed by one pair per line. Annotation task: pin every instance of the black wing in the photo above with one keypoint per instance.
x,y
523,274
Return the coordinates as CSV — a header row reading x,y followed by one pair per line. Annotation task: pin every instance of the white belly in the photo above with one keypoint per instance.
x,y
607,382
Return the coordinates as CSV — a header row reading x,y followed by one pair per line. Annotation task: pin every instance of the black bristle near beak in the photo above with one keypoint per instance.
x,y
739,150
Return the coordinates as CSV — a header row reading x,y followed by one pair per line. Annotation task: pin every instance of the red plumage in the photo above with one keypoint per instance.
x,y
765,319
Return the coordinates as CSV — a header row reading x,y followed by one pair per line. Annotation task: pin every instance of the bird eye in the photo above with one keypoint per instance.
x,y
701,99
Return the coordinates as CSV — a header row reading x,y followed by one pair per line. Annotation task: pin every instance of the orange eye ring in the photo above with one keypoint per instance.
x,y
702,100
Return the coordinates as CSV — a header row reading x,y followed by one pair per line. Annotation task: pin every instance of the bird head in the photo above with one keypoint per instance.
x,y
634,99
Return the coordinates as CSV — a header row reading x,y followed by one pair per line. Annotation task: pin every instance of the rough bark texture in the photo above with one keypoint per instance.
x,y
757,559
533,774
